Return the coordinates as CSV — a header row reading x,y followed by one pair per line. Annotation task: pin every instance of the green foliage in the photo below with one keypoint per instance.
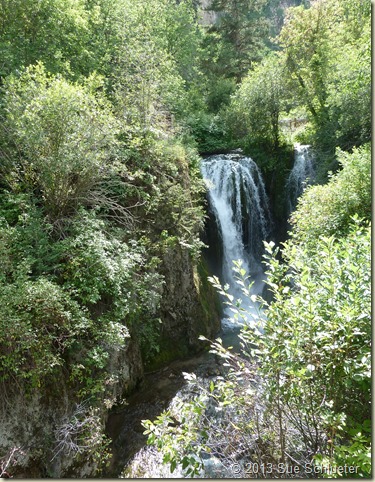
x,y
242,30
99,266
255,110
328,209
66,303
63,134
305,41
327,54
25,238
349,92
56,32
355,453
209,132
173,195
315,347
219,94
155,64
229,47
178,443
331,289
144,90
184,37
117,281
39,322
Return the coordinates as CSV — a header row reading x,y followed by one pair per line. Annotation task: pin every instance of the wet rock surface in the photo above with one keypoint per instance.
x,y
153,396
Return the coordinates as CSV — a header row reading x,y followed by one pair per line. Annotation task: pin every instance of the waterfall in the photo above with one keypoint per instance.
x,y
239,202
302,174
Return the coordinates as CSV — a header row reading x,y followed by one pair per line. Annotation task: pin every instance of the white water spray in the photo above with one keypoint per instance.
x,y
302,174
239,202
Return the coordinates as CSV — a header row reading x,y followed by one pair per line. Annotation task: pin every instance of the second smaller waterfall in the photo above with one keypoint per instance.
x,y
302,174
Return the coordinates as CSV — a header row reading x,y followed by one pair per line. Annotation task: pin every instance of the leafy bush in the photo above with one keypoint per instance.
x,y
255,109
315,347
308,400
25,237
69,303
328,209
63,134
58,34
39,323
208,131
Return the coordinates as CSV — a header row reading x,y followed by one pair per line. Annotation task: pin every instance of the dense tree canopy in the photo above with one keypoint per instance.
x,y
259,102
241,29
316,43
323,69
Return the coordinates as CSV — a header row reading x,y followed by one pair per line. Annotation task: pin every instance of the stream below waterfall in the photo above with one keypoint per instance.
x,y
238,200
155,394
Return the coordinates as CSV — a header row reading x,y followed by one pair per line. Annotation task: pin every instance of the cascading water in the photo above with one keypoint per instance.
x,y
302,174
239,202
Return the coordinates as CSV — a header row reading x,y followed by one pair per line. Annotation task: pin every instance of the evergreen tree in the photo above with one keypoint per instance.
x,y
242,30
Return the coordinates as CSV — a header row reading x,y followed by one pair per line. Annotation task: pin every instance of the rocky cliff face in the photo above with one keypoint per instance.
x,y
189,307
208,17
53,436
50,435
